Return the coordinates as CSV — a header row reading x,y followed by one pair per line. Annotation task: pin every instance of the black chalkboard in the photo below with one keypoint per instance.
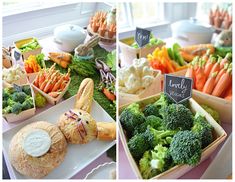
x,y
17,87
142,36
178,88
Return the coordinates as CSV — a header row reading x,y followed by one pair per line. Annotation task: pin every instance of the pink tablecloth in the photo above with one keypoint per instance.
x,y
126,172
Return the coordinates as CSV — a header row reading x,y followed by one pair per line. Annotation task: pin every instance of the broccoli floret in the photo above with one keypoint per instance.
x,y
177,117
27,90
145,166
153,109
212,112
19,97
6,110
7,93
152,121
16,108
131,117
155,162
204,130
28,103
138,145
185,148
4,104
11,102
155,137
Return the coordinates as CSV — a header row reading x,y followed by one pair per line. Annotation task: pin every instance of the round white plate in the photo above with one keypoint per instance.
x,y
103,171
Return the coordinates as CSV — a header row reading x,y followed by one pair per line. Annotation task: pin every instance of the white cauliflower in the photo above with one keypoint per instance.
x,y
147,81
133,84
147,71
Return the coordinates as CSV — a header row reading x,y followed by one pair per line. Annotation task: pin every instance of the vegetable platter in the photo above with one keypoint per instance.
x,y
51,84
161,169
78,156
18,104
130,50
27,47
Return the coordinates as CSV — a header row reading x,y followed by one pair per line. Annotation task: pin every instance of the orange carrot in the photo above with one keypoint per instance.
x,y
47,87
57,85
190,74
225,60
206,56
229,91
229,98
223,83
209,65
200,78
221,72
108,94
216,66
210,84
42,86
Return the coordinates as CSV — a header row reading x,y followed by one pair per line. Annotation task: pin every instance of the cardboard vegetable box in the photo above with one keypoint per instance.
x,y
130,53
22,115
50,99
175,172
25,55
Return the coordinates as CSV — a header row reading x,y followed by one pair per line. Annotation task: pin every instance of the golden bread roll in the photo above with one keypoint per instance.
x,y
32,155
84,96
78,126
106,130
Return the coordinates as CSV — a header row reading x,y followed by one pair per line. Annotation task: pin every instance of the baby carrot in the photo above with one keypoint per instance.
x,y
210,84
223,83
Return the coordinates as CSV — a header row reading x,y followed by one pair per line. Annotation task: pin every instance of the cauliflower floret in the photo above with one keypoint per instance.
x,y
133,84
147,80
123,76
147,71
139,64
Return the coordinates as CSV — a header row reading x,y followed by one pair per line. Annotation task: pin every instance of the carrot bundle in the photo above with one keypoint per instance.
x,y
51,81
212,76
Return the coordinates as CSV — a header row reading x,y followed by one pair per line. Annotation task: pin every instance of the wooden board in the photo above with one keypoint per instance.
x,y
178,170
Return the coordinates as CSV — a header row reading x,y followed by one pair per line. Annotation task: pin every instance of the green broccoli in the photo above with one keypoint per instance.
x,y
152,121
7,93
28,103
176,117
155,162
4,104
16,108
138,145
153,109
131,117
212,112
155,137
185,148
27,90
6,110
204,130
19,97
11,102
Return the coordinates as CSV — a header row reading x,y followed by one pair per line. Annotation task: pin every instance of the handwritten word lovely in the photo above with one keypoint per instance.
x,y
181,85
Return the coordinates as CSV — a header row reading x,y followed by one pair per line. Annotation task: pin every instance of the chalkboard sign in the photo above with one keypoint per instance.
x,y
17,87
17,55
178,88
142,36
